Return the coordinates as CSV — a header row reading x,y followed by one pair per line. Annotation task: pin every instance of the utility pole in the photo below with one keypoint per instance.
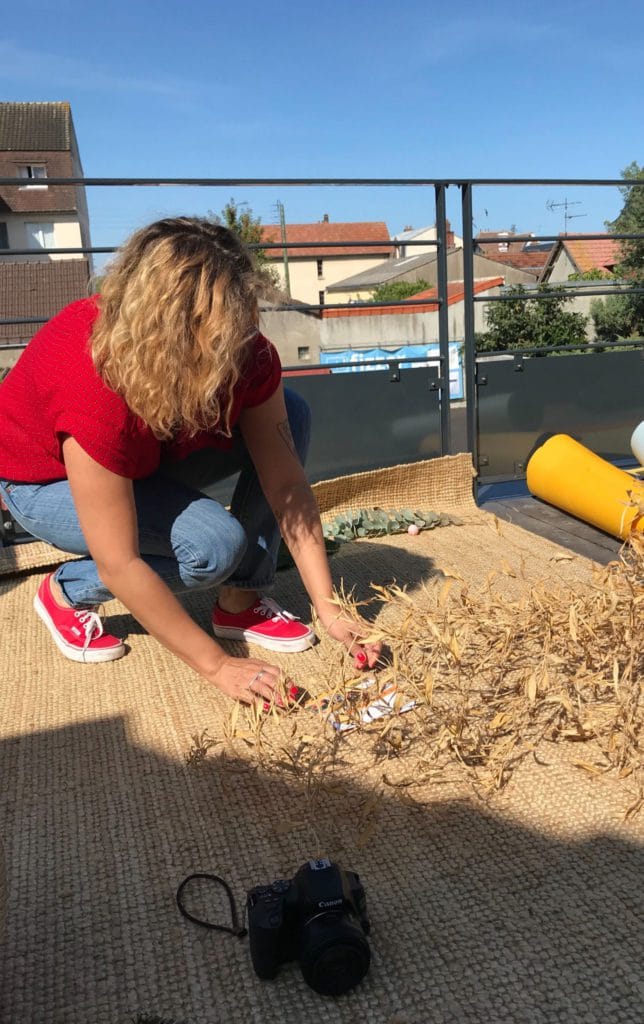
x,y
280,213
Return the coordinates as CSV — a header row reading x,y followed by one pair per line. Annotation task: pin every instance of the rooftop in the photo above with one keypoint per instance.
x,y
592,253
455,293
39,127
38,289
327,231
386,271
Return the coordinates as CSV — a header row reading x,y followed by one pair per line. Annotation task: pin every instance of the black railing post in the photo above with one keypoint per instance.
x,y
468,313
443,319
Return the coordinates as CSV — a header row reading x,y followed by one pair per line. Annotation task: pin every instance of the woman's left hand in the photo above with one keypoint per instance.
x,y
350,633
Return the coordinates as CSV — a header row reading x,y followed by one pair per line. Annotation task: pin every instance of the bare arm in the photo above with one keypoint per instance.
x,y
266,432
105,505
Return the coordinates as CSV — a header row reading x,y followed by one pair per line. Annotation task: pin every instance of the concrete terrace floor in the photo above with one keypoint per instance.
x,y
513,503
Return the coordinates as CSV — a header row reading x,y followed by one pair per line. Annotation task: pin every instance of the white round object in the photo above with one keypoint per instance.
x,y
637,443
413,530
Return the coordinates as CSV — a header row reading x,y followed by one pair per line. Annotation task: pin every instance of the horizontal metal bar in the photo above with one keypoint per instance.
x,y
300,307
304,306
220,182
401,304
41,253
310,368
553,238
298,182
13,321
390,243
384,361
322,244
572,293
588,346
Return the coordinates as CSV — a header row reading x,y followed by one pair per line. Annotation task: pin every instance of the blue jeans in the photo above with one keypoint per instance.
x,y
190,540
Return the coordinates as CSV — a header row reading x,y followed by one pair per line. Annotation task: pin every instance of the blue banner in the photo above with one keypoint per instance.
x,y
354,357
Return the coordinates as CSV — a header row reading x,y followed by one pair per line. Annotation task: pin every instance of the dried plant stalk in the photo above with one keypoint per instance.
x,y
493,676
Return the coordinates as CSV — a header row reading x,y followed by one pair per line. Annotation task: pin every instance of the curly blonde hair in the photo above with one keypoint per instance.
x,y
177,310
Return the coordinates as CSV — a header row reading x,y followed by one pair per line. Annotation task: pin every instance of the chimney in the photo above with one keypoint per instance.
x,y
325,219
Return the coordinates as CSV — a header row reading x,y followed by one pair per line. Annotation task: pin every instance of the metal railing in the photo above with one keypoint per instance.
x,y
439,189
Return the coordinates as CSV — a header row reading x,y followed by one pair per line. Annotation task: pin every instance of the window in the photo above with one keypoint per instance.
x,y
320,268
304,352
33,174
40,236
4,235
320,298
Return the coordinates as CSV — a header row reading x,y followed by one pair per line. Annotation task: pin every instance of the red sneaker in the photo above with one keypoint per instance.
x,y
77,632
265,624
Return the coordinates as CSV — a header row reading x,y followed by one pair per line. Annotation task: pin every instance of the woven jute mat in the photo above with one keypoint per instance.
x,y
419,485
526,908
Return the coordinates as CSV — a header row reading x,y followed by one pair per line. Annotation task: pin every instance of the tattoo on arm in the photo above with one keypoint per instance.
x,y
284,431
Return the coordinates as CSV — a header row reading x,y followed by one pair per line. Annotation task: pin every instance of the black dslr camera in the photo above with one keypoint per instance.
x,y
319,918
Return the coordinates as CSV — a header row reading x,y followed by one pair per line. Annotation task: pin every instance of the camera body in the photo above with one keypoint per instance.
x,y
319,918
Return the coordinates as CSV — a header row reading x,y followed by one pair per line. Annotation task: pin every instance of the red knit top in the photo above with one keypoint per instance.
x,y
54,390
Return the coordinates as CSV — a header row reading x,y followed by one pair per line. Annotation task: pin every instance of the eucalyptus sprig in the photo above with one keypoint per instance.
x,y
381,522
371,522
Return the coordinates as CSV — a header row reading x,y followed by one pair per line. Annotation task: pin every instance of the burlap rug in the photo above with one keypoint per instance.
x,y
526,908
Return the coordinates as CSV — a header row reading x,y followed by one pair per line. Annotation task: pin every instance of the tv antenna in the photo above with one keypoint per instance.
x,y
552,206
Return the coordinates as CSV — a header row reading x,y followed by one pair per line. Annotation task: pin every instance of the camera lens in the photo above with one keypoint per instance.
x,y
335,954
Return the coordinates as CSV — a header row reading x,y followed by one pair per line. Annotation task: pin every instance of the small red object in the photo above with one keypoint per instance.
x,y
360,660
293,695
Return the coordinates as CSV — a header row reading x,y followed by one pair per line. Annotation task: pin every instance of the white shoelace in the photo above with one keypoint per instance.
x,y
91,623
271,610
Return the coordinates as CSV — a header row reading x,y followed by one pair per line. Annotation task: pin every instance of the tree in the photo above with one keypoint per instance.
x,y
520,323
614,317
239,218
396,291
622,316
630,222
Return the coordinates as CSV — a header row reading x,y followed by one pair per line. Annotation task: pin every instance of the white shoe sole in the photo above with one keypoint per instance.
x,y
71,652
302,643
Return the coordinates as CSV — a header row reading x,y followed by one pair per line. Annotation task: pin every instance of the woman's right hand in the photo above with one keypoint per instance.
x,y
247,679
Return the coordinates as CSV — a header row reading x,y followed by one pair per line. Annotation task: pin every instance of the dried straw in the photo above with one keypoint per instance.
x,y
495,677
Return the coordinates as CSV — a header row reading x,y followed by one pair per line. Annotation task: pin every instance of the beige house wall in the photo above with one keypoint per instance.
x,y
559,274
68,233
562,268
306,285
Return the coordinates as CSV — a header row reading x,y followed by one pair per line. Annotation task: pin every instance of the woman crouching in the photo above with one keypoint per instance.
x,y
117,411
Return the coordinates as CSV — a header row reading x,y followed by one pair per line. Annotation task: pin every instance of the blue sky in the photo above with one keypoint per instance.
x,y
250,89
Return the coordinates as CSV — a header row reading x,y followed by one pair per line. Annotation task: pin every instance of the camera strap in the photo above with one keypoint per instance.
x,y
236,929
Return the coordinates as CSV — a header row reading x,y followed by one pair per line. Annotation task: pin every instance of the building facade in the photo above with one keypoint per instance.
x,y
38,142
313,265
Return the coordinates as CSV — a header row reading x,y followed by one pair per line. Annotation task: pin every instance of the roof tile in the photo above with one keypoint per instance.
x,y
37,126
593,253
326,231
38,288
